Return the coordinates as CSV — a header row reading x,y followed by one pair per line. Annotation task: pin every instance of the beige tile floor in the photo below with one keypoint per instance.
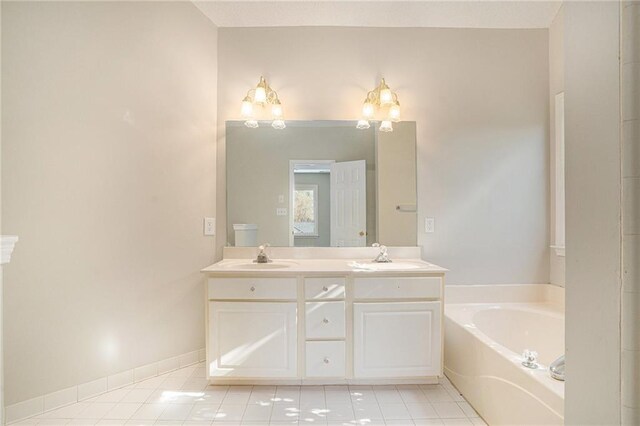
x,y
184,397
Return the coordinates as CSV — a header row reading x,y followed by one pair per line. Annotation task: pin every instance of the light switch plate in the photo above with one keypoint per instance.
x,y
281,211
429,225
209,226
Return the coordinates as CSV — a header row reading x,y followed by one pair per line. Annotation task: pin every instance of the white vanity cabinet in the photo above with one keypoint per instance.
x,y
252,339
397,339
308,327
252,327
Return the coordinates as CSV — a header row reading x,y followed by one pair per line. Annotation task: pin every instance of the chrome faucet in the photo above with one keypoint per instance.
x,y
556,369
262,254
383,256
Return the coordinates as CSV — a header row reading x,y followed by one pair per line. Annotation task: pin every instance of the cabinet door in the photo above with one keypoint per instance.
x,y
397,339
252,339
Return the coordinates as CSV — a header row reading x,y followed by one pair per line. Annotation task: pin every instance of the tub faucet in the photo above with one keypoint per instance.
x,y
556,369
262,254
530,359
383,256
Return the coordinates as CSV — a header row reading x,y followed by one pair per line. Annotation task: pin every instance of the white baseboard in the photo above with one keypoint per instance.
x,y
54,400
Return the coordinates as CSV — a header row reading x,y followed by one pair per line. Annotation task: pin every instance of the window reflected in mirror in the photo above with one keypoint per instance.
x,y
305,210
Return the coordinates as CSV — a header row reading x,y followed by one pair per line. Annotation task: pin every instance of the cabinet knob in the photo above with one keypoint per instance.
x,y
252,288
327,360
326,320
325,288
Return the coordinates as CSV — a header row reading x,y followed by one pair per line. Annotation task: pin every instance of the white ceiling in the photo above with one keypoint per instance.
x,y
438,14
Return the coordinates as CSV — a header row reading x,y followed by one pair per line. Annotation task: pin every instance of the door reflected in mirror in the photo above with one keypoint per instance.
x,y
322,184
329,203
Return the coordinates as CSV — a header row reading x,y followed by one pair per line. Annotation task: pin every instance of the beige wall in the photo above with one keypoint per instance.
x,y
480,100
556,85
108,167
631,213
2,397
593,212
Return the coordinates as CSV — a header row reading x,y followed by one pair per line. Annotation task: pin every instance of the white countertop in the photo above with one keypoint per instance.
x,y
324,266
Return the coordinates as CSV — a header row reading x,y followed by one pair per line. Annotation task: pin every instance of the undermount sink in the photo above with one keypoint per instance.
x,y
393,266
261,266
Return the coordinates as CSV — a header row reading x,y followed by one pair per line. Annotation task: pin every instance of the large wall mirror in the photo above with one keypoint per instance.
x,y
321,184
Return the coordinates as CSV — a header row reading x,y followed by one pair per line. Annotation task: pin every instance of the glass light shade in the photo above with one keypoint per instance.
x,y
386,126
247,108
276,110
386,97
363,124
260,96
251,124
278,124
368,109
394,112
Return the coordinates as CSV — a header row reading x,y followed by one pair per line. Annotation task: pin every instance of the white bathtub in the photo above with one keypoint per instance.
x,y
483,354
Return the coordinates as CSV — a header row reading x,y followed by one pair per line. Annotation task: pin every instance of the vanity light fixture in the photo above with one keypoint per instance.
x,y
263,95
382,97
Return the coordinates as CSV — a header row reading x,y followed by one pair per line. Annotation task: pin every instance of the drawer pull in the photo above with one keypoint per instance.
x,y
326,320
327,360
252,288
325,288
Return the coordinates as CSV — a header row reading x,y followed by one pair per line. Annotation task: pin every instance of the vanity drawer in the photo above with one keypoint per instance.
x,y
324,288
252,288
397,288
325,359
325,320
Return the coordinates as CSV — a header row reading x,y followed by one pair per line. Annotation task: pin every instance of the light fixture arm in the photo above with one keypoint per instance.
x,y
272,96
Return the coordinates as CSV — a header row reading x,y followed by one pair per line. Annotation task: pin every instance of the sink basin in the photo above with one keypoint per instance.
x,y
261,266
393,266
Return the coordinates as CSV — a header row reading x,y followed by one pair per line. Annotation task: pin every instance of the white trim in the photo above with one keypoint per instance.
x,y
54,400
559,213
91,389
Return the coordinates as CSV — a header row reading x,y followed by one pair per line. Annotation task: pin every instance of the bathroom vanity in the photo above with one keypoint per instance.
x,y
315,316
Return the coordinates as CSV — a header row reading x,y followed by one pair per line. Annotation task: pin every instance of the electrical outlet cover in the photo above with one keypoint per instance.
x,y
429,225
209,226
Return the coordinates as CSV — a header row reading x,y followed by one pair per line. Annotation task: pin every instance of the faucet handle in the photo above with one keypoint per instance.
x,y
530,358
530,355
375,245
